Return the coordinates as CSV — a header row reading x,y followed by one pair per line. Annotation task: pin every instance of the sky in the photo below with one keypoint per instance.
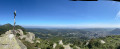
x,y
61,13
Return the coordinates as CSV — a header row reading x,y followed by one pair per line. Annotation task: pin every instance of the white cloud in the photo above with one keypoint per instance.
x,y
118,15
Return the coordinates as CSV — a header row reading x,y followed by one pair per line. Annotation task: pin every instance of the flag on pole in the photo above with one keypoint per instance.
x,y
14,13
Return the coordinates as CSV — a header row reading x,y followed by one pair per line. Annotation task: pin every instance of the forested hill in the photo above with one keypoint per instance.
x,y
115,31
106,38
82,38
6,27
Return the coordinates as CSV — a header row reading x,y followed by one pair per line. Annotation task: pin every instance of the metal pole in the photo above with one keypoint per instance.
x,y
14,23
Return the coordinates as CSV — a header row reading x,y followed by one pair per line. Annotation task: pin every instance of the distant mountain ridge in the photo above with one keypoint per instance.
x,y
116,31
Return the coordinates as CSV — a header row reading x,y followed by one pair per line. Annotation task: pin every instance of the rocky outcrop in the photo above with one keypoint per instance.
x,y
9,41
54,45
87,42
37,41
19,31
28,37
60,42
67,47
21,44
102,41
9,32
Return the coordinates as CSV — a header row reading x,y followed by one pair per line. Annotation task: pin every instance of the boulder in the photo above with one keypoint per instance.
x,y
39,48
29,37
21,44
9,41
102,41
20,32
29,40
37,41
23,36
87,42
60,42
9,32
54,45
67,46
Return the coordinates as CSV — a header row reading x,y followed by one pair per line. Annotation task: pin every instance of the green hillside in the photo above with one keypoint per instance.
x,y
108,42
6,27
111,42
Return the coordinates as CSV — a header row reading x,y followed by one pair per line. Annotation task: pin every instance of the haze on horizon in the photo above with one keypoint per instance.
x,y
62,13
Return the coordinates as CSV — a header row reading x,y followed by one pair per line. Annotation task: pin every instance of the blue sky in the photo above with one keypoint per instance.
x,y
60,13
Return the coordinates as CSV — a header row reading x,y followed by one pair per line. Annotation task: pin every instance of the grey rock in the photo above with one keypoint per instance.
x,y
9,41
20,32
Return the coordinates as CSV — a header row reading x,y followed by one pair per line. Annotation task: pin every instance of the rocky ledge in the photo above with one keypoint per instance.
x,y
11,41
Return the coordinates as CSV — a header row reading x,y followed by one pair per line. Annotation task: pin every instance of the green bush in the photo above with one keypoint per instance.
x,y
59,47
